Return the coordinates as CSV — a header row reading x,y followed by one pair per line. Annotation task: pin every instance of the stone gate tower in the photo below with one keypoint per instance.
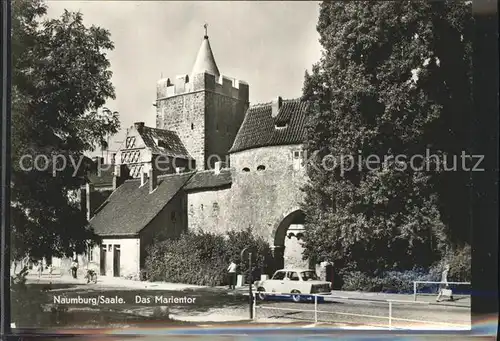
x,y
204,108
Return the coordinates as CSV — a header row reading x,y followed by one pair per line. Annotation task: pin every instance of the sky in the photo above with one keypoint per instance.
x,y
267,44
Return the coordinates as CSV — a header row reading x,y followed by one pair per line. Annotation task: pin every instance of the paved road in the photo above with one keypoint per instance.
x,y
345,311
341,310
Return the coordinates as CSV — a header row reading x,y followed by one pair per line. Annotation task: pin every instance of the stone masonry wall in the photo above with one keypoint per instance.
x,y
209,210
224,116
205,112
260,199
185,114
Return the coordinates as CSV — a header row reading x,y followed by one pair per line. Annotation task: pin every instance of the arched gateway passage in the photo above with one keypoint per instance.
x,y
287,248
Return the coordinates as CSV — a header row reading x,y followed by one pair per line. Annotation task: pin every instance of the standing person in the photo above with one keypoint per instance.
x,y
444,284
231,269
50,270
74,267
40,269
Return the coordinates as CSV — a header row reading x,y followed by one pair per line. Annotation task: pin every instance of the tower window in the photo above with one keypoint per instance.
x,y
202,207
192,126
261,168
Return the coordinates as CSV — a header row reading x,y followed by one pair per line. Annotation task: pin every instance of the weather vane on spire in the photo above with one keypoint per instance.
x,y
206,26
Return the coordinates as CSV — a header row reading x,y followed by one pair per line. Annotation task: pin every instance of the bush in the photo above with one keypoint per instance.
x,y
387,282
202,258
26,309
358,281
459,260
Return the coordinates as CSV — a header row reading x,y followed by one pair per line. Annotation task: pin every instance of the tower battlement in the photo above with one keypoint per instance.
x,y
205,108
182,84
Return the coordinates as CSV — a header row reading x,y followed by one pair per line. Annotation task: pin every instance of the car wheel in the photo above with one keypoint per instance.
x,y
296,296
261,294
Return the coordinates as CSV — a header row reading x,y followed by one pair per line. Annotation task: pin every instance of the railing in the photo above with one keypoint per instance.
x,y
431,282
389,317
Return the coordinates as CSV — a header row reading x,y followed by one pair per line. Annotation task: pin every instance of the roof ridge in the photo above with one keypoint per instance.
x,y
159,129
258,105
262,104
175,174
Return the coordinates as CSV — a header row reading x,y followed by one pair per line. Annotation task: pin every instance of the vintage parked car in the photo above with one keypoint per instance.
x,y
300,283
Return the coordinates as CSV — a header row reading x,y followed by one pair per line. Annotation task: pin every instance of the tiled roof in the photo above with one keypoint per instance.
x,y
131,207
171,144
208,179
260,129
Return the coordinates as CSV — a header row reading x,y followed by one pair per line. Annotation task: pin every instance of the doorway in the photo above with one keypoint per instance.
x,y
102,261
116,261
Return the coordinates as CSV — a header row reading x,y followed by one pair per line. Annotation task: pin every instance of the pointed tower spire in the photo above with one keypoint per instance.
x,y
205,61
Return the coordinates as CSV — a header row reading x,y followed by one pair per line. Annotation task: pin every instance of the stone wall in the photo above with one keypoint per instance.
x,y
206,113
263,198
209,210
224,116
184,114
257,198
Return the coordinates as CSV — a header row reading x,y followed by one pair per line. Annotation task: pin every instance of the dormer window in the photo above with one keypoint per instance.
x,y
280,125
162,144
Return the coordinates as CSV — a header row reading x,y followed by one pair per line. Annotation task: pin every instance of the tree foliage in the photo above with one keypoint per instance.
x,y
394,80
60,78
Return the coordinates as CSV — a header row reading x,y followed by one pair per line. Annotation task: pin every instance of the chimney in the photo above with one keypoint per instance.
x,y
143,178
88,192
121,174
153,179
139,126
217,167
276,106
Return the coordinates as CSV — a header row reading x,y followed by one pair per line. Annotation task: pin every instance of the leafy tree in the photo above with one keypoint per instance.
x,y
60,78
394,80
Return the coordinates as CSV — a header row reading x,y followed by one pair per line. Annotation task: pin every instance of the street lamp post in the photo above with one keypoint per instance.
x,y
250,293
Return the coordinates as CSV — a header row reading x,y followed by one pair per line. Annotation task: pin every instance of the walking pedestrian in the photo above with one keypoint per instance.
x,y
444,289
74,267
231,269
